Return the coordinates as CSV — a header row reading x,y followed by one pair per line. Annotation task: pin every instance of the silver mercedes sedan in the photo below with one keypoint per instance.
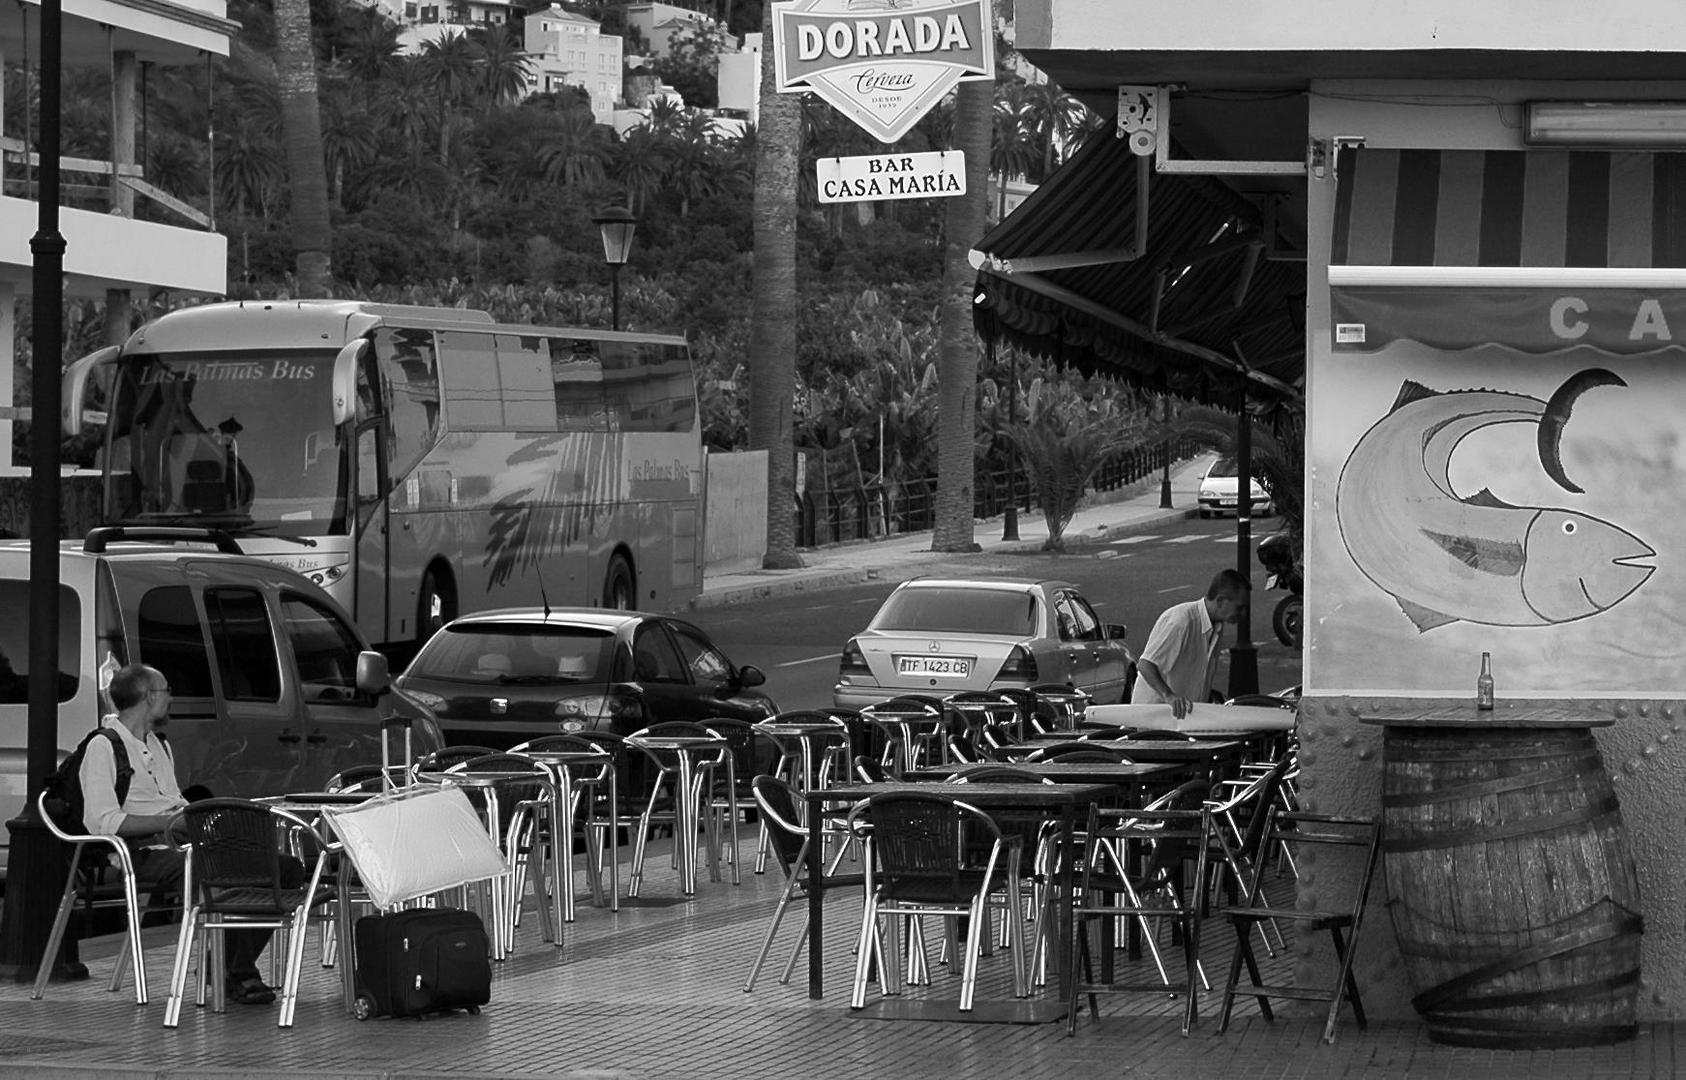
x,y
938,636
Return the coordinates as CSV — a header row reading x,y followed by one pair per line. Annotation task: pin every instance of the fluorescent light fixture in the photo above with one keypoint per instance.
x,y
1606,123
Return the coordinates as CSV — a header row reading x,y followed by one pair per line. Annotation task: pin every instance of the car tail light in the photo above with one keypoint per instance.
x,y
625,706
1019,665
854,661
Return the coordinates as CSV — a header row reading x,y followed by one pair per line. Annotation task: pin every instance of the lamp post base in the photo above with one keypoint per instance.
x,y
35,870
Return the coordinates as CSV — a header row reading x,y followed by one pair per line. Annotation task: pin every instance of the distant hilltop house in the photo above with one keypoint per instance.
x,y
571,50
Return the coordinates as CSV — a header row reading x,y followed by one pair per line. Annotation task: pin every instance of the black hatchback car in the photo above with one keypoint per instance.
x,y
497,678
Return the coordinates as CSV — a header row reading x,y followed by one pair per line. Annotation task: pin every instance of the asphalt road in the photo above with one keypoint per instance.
x,y
797,639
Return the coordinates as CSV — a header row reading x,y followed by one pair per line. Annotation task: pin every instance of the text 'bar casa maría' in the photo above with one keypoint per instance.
x,y
882,63
892,176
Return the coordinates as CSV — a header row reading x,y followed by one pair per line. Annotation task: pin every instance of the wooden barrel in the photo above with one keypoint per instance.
x,y
1511,887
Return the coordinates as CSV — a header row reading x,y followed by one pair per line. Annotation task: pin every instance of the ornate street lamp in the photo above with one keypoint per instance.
x,y
617,224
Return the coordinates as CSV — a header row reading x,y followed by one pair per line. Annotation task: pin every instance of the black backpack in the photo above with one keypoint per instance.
x,y
64,787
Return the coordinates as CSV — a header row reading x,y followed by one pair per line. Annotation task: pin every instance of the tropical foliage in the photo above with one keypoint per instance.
x,y
444,187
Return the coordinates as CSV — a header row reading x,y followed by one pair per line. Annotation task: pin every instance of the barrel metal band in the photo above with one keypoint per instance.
x,y
1481,834
1569,770
1450,995
1548,995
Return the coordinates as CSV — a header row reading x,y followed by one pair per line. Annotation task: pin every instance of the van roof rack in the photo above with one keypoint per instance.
x,y
99,538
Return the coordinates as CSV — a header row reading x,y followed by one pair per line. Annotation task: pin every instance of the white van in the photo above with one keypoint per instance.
x,y
273,688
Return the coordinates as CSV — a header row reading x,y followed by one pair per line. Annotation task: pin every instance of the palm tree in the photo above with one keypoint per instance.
x,y
350,139
640,165
301,129
957,361
506,68
1054,119
772,344
1012,147
575,150
371,52
449,68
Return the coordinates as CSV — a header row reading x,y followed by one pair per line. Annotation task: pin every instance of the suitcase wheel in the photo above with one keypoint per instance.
x,y
474,1010
363,1007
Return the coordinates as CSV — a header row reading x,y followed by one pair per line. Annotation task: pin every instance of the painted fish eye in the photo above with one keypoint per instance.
x,y
1568,528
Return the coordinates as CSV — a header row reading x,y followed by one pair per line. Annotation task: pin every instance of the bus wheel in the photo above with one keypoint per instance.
x,y
436,606
618,587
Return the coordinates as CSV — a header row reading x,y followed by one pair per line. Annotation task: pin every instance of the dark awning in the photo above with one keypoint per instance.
x,y
1191,308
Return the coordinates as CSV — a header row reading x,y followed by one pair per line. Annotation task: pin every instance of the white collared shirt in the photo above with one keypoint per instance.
x,y
152,789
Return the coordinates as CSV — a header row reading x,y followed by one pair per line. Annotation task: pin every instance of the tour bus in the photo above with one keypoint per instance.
x,y
416,462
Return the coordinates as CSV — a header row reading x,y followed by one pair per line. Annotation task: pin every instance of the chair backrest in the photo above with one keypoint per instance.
x,y
1068,701
1258,797
237,848
962,748
355,778
998,774
442,759
776,801
634,774
870,771
1031,705
977,708
752,752
1078,751
919,842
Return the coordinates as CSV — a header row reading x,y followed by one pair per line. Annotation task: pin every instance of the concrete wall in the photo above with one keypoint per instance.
x,y
735,523
1267,25
1341,756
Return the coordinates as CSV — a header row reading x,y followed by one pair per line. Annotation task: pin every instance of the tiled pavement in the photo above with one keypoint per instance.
x,y
655,992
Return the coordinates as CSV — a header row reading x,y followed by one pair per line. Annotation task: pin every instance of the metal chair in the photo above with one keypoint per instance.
x,y
1341,917
913,726
514,806
1067,703
790,841
586,785
238,878
442,759
976,709
917,844
89,884
665,796
1134,867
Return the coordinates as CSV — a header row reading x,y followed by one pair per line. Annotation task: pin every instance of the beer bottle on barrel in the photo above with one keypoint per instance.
x,y
1484,684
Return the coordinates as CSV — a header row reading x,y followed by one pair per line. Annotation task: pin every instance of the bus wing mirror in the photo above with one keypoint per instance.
x,y
345,381
74,388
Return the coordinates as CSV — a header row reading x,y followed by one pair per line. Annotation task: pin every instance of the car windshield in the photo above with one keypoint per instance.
x,y
959,610
505,654
1224,466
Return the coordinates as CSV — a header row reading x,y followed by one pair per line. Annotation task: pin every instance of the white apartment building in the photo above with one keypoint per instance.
x,y
659,22
571,50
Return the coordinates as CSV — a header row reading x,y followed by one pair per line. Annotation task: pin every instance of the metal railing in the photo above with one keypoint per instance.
x,y
868,511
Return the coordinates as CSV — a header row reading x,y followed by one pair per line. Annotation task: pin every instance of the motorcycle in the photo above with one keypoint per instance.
x,y
1280,557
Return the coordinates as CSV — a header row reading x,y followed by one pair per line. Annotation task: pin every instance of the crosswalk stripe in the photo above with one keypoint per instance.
x,y
1141,539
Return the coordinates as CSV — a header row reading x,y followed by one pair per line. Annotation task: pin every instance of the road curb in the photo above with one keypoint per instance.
x,y
788,582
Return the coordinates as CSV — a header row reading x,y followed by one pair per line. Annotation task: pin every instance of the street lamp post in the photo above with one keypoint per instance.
x,y
1010,518
616,224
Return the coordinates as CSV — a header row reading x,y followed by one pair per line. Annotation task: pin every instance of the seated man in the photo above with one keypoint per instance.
x,y
141,697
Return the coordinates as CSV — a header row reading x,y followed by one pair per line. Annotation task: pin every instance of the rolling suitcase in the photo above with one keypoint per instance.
x,y
416,961
420,961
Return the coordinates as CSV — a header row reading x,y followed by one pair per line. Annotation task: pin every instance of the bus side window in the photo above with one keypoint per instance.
x,y
368,477
529,401
576,374
409,365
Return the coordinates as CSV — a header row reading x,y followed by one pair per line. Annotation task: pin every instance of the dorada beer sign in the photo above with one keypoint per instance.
x,y
882,63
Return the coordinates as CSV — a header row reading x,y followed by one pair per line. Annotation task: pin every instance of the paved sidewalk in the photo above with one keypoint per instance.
x,y
1138,508
654,991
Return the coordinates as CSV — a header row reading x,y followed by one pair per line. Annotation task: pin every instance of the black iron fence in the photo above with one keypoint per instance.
x,y
872,510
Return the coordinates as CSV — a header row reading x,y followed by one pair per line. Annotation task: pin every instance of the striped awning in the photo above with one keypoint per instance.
x,y
1510,208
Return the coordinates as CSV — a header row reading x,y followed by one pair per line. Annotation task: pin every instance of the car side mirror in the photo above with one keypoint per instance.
x,y
750,675
373,677
1117,631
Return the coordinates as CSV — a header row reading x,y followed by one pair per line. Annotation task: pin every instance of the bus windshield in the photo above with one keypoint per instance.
x,y
239,440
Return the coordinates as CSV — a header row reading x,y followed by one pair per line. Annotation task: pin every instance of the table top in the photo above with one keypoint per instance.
x,y
677,742
568,757
1505,713
311,800
982,795
1067,772
485,778
809,728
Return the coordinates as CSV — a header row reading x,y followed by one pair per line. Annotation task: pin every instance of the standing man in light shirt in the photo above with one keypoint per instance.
x,y
141,696
1175,666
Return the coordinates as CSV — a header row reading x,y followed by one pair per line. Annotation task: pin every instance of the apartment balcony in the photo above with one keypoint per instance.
x,y
121,232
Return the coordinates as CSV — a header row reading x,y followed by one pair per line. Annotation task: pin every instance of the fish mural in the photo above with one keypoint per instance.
x,y
1446,557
